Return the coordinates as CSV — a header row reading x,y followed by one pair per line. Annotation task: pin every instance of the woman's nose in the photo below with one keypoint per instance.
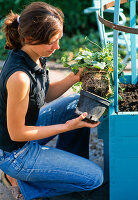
x,y
56,45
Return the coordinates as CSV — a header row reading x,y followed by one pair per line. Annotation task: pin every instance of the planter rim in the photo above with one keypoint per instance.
x,y
95,97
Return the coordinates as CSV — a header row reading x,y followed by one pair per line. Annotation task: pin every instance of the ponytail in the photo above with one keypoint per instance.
x,y
11,31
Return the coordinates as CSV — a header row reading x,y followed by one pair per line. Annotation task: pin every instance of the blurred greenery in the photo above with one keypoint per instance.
x,y
76,24
73,10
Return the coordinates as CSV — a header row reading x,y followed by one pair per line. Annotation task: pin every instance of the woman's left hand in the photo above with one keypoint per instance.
x,y
78,75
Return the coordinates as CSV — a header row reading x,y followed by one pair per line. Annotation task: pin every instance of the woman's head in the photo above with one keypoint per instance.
x,y
37,24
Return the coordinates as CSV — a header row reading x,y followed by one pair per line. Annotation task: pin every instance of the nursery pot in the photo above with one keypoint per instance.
x,y
93,104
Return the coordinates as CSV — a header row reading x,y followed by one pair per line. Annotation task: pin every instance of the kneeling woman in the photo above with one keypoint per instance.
x,y
25,129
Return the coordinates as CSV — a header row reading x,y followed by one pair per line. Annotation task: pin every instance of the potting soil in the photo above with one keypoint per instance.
x,y
129,96
96,82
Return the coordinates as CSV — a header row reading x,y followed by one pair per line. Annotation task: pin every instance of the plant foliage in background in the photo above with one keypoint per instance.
x,y
101,60
76,24
75,19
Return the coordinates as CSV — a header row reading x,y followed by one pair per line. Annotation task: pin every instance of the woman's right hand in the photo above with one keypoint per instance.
x,y
79,123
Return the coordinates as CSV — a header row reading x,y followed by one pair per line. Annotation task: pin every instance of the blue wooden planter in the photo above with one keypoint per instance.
x,y
123,154
120,134
119,130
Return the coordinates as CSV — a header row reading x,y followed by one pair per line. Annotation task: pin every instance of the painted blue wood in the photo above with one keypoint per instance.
x,y
115,53
125,175
133,41
123,123
102,25
127,79
127,146
123,157
103,133
123,153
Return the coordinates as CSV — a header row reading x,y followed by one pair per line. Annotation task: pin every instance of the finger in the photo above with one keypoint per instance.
x,y
83,115
93,125
96,124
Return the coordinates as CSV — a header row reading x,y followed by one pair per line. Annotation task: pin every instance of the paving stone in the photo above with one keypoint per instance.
x,y
5,194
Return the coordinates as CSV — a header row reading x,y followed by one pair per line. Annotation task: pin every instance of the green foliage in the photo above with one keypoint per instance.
x,y
75,19
3,52
102,59
98,61
77,87
76,24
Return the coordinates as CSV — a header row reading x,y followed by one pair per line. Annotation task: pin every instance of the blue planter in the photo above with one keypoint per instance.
x,y
120,133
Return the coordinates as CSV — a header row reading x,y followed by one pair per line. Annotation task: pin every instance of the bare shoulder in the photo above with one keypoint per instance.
x,y
19,83
19,77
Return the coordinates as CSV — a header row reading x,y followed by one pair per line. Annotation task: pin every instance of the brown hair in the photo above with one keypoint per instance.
x,y
39,22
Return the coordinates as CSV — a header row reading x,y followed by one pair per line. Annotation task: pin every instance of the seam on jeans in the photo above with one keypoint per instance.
x,y
57,171
33,164
19,166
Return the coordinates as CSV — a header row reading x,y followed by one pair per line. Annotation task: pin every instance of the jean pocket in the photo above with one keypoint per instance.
x,y
20,157
22,151
19,153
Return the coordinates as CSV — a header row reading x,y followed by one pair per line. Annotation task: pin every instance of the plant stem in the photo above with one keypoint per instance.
x,y
93,42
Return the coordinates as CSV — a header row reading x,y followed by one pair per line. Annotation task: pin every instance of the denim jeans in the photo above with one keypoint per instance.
x,y
44,171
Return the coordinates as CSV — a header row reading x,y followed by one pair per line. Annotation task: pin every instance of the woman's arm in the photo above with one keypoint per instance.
x,y
18,87
58,88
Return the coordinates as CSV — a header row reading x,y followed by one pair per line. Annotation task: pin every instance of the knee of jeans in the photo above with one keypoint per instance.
x,y
99,178
96,180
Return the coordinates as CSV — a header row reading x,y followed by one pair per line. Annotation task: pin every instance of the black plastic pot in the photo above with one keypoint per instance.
x,y
93,104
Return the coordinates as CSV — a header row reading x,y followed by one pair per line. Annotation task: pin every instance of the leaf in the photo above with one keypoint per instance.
x,y
119,97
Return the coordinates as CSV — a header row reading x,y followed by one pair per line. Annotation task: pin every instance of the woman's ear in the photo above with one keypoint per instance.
x,y
27,39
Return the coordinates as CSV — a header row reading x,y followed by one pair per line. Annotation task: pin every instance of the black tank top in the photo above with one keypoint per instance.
x,y
18,60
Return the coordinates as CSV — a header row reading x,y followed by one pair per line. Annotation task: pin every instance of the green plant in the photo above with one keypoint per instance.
x,y
101,60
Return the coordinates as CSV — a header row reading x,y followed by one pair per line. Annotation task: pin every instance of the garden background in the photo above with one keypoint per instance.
x,y
77,25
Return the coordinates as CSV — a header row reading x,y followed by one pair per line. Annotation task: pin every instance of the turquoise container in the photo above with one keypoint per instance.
x,y
119,130
123,154
120,134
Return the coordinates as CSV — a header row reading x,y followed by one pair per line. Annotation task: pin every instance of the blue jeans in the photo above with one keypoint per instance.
x,y
44,171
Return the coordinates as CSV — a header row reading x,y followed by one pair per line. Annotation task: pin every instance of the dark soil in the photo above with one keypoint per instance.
x,y
97,83
129,96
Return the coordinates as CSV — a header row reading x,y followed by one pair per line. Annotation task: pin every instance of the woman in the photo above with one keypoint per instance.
x,y
41,171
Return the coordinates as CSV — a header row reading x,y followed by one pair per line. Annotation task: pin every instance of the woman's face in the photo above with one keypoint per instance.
x,y
47,49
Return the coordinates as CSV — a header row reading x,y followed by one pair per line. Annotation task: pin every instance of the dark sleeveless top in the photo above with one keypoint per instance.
x,y
18,60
